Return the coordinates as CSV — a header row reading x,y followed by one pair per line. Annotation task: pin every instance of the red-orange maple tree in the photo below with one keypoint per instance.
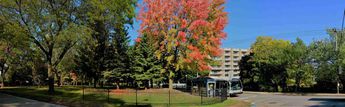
x,y
187,33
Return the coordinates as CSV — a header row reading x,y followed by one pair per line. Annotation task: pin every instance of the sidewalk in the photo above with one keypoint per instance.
x,y
13,101
295,94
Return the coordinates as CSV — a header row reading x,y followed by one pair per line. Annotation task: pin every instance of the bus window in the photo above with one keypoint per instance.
x,y
211,86
236,85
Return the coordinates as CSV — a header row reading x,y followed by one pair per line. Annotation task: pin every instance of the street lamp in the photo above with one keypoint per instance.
x,y
341,35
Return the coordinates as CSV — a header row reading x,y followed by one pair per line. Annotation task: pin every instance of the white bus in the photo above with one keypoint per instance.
x,y
214,85
235,86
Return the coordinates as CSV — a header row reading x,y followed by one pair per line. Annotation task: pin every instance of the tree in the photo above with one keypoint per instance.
x,y
272,60
106,53
326,59
145,64
186,33
123,60
299,69
250,73
51,25
323,61
38,67
12,47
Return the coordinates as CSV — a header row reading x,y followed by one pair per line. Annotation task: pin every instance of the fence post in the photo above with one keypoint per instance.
x,y
200,93
83,92
136,96
169,97
108,94
83,86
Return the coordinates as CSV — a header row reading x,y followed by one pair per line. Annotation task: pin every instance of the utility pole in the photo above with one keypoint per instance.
x,y
338,52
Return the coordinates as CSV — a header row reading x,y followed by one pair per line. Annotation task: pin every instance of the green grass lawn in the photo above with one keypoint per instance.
x,y
72,96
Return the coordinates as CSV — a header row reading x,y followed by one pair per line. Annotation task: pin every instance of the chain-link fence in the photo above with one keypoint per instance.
x,y
101,97
154,97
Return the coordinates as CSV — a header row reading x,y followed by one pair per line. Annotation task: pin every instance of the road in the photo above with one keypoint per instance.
x,y
282,100
13,101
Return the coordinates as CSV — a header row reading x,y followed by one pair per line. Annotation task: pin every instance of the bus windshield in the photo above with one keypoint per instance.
x,y
236,85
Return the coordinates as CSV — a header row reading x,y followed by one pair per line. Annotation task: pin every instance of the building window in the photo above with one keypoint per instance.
x,y
227,57
236,75
216,71
227,70
226,75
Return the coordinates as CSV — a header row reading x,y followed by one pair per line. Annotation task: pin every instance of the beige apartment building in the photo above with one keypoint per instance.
x,y
229,67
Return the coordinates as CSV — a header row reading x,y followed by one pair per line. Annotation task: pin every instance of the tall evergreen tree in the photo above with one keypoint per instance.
x,y
146,65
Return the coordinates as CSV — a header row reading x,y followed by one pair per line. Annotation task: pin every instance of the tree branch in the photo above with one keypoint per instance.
x,y
63,53
28,28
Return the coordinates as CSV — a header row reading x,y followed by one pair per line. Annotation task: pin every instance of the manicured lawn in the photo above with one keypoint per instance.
x,y
99,97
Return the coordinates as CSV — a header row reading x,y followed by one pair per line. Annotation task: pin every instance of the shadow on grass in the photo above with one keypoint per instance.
x,y
73,96
68,97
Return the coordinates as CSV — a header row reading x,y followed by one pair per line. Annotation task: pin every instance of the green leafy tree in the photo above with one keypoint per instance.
x,y
51,25
300,70
12,47
272,60
250,73
323,60
326,59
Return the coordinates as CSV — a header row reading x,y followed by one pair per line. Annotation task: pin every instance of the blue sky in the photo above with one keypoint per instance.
x,y
282,19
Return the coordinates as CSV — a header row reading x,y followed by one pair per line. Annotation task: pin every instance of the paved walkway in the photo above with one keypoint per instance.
x,y
13,101
283,100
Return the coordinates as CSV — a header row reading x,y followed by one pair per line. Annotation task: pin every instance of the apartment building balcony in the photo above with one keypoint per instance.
x,y
216,73
235,63
227,58
227,52
237,75
217,68
237,58
244,50
235,49
227,63
228,69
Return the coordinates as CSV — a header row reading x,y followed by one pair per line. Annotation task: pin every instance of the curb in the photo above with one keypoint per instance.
x,y
295,94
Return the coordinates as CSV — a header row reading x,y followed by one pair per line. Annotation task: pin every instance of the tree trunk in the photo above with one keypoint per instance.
x,y
151,81
171,80
117,85
296,85
59,79
50,79
101,83
2,80
94,83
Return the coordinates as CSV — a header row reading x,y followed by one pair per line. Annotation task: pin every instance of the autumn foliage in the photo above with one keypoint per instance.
x,y
187,33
